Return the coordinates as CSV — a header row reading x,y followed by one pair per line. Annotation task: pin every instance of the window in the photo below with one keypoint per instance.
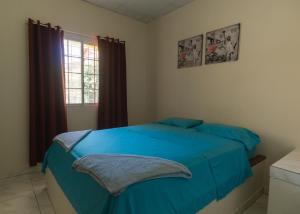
x,y
81,71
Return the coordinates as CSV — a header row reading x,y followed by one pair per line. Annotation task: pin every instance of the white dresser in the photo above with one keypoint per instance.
x,y
284,193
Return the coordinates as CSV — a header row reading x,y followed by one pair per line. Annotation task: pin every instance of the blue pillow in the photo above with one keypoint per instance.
x,y
181,122
242,135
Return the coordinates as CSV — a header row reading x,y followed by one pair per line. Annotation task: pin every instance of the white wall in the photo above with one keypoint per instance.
x,y
259,91
72,15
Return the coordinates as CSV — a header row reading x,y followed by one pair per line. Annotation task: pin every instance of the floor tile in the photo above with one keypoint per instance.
x,y
40,190
259,207
38,182
37,176
15,187
44,201
20,205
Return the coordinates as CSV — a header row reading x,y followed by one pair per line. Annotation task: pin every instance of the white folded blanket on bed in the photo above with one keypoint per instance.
x,y
117,171
69,139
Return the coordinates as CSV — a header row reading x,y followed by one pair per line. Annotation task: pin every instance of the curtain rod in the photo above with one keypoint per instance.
x,y
80,34
89,36
43,24
68,31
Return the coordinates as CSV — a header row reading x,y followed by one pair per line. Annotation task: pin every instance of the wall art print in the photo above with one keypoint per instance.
x,y
222,45
190,52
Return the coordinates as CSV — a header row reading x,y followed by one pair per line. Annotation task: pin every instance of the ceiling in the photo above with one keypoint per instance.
x,y
141,10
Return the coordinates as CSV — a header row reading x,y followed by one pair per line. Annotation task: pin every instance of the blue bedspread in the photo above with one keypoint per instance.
x,y
218,166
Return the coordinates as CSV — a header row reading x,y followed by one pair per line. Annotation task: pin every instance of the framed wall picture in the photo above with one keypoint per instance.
x,y
222,45
190,52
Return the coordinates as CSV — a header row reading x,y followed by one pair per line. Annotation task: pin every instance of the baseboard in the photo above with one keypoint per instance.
x,y
28,170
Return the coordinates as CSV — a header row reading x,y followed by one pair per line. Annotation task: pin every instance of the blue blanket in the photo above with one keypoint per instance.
x,y
218,166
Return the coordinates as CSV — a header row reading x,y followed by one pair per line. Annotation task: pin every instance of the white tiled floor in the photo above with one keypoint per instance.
x,y
27,194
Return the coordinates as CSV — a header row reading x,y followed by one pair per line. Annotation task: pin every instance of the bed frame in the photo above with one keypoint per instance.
x,y
234,203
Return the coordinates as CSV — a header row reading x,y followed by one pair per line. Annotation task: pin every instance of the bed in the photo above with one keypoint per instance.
x,y
218,166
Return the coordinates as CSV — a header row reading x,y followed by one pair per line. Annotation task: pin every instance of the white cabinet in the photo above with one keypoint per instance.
x,y
284,193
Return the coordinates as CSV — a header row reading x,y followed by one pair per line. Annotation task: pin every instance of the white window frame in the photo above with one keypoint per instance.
x,y
83,40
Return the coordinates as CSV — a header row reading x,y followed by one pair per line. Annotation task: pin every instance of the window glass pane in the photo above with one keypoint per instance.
x,y
96,96
89,51
96,67
66,64
74,48
89,82
75,96
66,47
96,81
74,80
66,80
89,88
89,67
89,96
96,53
74,65
67,96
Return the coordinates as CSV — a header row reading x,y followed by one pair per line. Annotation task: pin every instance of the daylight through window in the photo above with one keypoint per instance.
x,y
81,72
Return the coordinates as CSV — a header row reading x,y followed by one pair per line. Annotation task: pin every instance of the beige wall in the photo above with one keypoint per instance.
x,y
260,91
72,15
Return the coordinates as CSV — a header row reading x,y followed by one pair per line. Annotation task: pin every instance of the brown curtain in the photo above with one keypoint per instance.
x,y
46,76
112,108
